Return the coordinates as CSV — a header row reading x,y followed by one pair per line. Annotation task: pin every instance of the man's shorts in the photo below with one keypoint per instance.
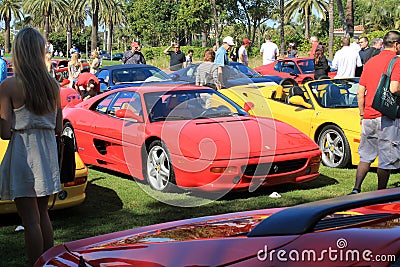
x,y
380,137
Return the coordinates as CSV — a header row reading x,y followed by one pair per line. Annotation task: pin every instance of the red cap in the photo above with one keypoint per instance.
x,y
134,44
246,41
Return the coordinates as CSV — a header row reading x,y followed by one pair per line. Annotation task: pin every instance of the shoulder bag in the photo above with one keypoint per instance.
x,y
66,158
384,101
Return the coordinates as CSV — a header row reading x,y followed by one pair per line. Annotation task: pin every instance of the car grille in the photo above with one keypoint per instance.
x,y
271,168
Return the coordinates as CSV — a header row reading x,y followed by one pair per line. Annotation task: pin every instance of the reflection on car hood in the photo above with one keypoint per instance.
x,y
233,138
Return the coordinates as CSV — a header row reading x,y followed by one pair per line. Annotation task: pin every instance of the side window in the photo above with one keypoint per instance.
x,y
127,100
278,66
104,74
102,107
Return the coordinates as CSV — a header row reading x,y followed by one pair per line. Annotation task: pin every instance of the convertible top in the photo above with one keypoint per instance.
x,y
303,218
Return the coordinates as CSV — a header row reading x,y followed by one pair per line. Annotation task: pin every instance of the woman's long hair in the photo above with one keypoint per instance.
x,y
41,91
319,53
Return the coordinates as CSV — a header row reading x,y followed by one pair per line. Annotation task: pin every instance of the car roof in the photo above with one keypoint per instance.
x,y
303,218
159,88
126,66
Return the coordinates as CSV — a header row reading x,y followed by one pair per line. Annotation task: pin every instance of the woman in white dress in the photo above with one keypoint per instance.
x,y
30,118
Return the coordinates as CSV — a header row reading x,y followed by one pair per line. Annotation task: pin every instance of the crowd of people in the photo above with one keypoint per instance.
x,y
30,109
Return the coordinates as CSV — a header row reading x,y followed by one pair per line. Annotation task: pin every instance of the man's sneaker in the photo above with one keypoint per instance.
x,y
355,191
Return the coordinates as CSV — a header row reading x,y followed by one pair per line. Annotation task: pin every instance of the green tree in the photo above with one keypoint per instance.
x,y
95,8
46,8
305,7
9,8
114,16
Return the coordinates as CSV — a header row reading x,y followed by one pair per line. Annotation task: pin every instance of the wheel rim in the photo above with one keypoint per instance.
x,y
158,168
332,146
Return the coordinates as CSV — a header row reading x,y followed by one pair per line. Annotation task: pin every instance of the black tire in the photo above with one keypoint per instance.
x,y
307,79
335,147
159,172
288,82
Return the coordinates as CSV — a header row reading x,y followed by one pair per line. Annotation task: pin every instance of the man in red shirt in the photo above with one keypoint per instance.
x,y
314,44
380,135
87,85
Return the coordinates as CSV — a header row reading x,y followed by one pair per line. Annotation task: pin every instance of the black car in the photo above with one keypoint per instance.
x,y
117,56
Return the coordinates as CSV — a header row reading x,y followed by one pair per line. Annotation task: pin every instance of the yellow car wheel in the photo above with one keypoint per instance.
x,y
335,147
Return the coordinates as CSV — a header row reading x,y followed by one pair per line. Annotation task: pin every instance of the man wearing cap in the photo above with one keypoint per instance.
x,y
177,58
133,56
243,58
269,51
221,58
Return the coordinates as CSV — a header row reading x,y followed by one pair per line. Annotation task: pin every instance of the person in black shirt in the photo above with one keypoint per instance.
x,y
321,66
177,57
133,56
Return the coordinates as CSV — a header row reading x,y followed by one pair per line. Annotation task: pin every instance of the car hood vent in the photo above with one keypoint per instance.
x,y
354,221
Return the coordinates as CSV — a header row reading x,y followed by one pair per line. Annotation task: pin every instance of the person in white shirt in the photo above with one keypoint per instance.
x,y
346,60
269,51
243,57
356,44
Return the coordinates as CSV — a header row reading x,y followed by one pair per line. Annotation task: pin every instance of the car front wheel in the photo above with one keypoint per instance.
x,y
159,171
335,147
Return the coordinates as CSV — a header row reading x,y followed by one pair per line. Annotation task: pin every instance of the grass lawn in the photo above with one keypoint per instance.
x,y
116,202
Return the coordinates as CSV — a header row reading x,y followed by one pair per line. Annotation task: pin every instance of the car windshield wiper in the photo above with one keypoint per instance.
x,y
163,118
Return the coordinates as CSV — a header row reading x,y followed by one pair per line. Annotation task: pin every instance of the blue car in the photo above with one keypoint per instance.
x,y
126,75
239,74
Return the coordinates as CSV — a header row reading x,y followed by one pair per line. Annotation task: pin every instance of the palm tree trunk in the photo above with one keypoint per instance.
x,y
331,28
307,26
350,17
214,7
7,36
342,16
95,25
109,36
282,21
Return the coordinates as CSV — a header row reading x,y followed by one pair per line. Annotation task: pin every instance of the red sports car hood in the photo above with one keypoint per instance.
x,y
233,138
182,243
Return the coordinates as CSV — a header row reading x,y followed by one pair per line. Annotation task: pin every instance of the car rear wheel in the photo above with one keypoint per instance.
x,y
159,170
68,130
335,147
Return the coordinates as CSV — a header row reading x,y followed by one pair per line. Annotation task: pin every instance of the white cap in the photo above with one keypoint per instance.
x,y
229,41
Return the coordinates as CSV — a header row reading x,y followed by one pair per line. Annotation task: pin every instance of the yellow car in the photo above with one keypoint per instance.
x,y
72,194
325,110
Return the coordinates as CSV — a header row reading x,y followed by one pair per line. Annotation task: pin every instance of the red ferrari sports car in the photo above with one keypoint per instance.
x,y
354,230
189,136
299,69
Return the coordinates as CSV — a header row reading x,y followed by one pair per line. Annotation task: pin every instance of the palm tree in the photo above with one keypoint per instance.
x,y
9,8
73,18
350,17
113,16
95,7
282,22
304,7
331,28
47,8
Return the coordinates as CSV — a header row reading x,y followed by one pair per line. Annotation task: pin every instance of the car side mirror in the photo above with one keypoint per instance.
x,y
101,80
248,106
299,101
126,113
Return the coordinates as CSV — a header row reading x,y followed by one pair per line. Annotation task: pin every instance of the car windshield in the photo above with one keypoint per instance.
x,y
246,70
189,104
139,75
337,93
306,66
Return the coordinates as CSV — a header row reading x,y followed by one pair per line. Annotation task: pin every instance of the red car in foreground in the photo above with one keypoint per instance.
x,y
299,69
191,137
354,230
